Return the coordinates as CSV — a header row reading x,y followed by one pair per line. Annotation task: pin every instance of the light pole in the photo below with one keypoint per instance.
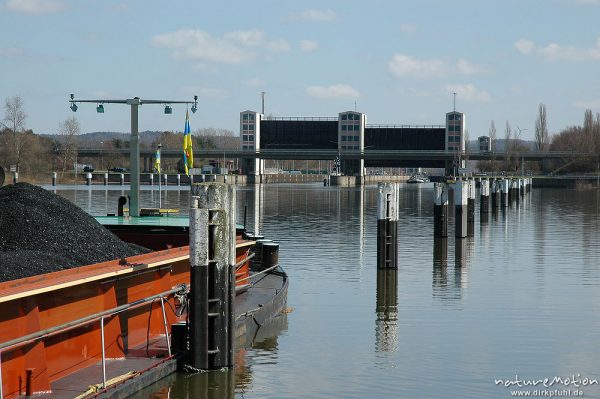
x,y
134,143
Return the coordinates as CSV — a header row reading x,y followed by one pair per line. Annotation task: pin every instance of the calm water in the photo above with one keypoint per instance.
x,y
522,298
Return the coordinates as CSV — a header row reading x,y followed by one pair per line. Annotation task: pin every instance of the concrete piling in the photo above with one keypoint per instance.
x,y
387,226
88,179
212,260
461,195
54,175
106,179
495,188
178,180
165,179
152,179
122,179
15,177
440,210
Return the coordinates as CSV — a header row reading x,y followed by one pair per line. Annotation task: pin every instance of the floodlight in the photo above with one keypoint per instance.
x,y
100,109
168,109
73,107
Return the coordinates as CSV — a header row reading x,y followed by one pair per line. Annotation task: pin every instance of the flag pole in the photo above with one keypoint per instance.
x,y
159,173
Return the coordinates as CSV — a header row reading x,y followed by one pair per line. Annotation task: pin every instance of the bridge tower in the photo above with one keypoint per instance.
x,y
250,139
351,139
455,140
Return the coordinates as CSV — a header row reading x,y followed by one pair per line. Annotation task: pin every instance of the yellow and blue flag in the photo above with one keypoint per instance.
x,y
188,152
157,161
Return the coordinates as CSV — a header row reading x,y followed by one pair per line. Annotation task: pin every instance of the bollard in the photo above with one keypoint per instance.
x,y
88,179
504,189
178,180
521,187
212,260
152,179
440,210
121,204
325,182
387,226
106,179
54,174
471,208
122,179
461,195
15,177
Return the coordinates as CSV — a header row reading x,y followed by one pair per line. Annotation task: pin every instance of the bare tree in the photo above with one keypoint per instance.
x,y
14,120
508,144
69,130
541,129
492,133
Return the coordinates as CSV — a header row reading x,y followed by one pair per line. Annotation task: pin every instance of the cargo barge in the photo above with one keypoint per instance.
x,y
111,328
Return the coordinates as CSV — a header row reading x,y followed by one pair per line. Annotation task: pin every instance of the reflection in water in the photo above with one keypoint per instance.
x,y
462,249
386,325
440,266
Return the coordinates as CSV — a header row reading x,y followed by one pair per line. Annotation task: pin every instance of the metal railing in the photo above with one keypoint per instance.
x,y
46,333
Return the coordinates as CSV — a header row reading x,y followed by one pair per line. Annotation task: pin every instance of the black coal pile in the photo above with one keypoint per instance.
x,y
41,232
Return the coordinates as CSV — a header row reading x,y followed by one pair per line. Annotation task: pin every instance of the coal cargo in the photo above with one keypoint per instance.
x,y
41,232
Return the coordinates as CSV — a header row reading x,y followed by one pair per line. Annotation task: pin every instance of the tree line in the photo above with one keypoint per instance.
x,y
581,140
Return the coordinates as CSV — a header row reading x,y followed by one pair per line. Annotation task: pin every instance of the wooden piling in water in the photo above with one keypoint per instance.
x,y
212,260
461,194
440,210
106,179
387,226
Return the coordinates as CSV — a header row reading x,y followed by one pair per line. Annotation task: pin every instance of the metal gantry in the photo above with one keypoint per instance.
x,y
134,144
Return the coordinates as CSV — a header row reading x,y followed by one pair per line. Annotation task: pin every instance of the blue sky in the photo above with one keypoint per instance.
x,y
399,61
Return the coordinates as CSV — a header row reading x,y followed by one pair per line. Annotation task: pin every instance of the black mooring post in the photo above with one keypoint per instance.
x,y
440,210
387,226
505,189
471,208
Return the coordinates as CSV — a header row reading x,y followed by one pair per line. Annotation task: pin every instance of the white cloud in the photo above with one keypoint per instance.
x,y
408,28
466,68
250,38
254,82
35,7
469,93
341,91
524,46
403,65
308,45
313,15
11,52
278,46
554,51
232,48
592,104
